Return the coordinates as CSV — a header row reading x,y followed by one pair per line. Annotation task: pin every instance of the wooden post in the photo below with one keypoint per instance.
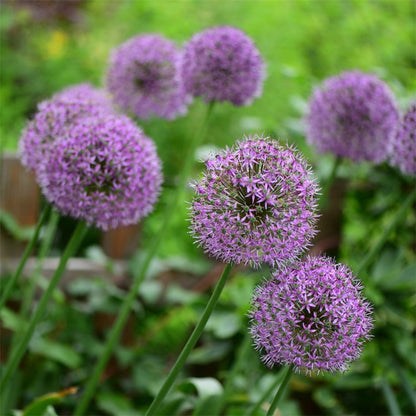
x,y
19,197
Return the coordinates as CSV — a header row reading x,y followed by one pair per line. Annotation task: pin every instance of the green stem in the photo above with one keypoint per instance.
x,y
139,277
390,399
43,252
280,391
33,281
12,281
32,285
253,411
386,232
18,353
191,342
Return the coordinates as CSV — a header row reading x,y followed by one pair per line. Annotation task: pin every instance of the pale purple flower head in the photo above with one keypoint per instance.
x,y
144,79
54,116
255,203
86,92
223,64
353,115
403,154
311,315
104,171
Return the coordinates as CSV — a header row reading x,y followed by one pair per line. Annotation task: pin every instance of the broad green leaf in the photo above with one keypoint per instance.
x,y
203,387
61,353
115,404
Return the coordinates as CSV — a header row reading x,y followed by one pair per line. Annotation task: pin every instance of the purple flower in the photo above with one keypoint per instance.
x,y
403,154
353,115
311,315
85,92
56,115
144,78
104,171
223,64
255,203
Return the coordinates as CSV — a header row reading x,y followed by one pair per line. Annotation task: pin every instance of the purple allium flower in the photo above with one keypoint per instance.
x,y
54,116
403,154
104,171
255,203
223,64
144,78
85,92
353,115
311,315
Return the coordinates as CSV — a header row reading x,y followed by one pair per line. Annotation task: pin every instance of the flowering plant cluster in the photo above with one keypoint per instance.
x,y
55,117
149,76
311,315
353,115
104,170
144,78
255,203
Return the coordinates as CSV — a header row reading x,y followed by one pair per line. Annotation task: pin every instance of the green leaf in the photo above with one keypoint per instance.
x,y
115,404
405,280
209,353
57,352
17,231
224,324
42,405
203,387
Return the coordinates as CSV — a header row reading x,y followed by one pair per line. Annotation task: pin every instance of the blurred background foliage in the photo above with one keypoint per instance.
x,y
47,45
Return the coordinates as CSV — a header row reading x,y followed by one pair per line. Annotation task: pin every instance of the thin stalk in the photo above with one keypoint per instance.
x,y
18,353
280,391
238,364
252,411
391,400
12,281
190,343
386,232
122,316
43,251
32,285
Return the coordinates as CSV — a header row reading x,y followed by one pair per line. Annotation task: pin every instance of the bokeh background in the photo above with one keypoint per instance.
x,y
47,45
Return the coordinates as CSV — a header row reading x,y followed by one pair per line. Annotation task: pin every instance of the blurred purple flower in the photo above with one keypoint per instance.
x,y
104,171
311,315
54,116
223,64
144,79
403,154
255,203
353,115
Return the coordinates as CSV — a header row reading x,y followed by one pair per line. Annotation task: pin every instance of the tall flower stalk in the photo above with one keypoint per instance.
x,y
17,354
15,277
173,374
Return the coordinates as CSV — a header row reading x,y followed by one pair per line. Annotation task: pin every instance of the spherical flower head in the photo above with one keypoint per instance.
x,y
144,79
104,171
311,315
353,115
255,203
403,153
223,64
56,115
85,92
